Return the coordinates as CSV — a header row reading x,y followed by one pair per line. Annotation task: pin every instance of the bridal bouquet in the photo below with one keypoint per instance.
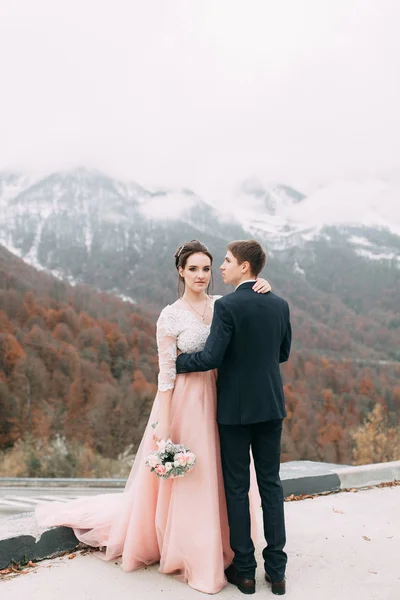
x,y
170,460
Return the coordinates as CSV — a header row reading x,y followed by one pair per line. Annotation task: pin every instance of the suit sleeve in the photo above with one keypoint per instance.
x,y
216,345
287,339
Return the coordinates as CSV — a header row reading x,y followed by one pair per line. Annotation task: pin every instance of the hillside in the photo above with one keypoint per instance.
x,y
83,364
72,361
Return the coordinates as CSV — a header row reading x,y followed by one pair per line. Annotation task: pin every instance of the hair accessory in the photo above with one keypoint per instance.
x,y
180,251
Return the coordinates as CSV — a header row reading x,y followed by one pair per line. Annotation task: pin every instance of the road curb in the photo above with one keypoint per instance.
x,y
315,484
367,475
21,540
20,548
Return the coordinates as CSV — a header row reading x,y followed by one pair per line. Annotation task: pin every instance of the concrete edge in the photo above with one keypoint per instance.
x,y
366,475
22,548
314,484
59,482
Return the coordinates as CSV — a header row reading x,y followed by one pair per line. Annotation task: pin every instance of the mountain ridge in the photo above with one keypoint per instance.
x,y
86,227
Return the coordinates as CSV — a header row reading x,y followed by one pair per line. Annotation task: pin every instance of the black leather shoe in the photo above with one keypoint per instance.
x,y
277,587
246,586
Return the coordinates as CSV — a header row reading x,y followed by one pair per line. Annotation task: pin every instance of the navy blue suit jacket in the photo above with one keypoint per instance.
x,y
250,335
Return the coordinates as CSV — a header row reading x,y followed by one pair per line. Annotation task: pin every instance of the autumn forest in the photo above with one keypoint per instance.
x,y
78,369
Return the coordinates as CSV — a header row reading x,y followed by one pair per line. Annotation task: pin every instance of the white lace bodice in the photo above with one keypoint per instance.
x,y
177,328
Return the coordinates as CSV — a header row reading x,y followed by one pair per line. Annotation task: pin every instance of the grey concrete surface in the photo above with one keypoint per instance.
x,y
21,540
303,477
366,475
344,546
59,482
15,500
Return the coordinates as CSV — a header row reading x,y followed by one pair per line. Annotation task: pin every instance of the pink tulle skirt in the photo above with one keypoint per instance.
x,y
181,523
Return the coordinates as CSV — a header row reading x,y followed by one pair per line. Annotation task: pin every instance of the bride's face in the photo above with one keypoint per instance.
x,y
197,272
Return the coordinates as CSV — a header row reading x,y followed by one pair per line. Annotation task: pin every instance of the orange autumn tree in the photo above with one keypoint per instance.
x,y
376,440
10,352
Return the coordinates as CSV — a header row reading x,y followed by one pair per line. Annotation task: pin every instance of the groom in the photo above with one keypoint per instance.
x,y
250,335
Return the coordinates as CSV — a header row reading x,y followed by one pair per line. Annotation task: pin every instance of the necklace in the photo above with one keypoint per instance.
x,y
196,311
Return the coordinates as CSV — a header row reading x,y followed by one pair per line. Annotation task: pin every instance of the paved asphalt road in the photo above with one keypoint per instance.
x,y
14,500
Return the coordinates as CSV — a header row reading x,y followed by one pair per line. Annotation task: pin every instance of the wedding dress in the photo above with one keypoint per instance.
x,y
181,523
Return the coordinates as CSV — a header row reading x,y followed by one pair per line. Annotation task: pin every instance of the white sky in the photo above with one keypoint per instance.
x,y
201,93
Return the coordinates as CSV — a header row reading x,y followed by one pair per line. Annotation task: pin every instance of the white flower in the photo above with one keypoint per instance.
x,y
169,446
161,445
153,460
168,466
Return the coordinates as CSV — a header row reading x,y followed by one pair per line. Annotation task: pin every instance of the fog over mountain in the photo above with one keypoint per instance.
x,y
202,95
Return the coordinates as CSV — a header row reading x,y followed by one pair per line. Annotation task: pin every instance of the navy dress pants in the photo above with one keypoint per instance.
x,y
264,439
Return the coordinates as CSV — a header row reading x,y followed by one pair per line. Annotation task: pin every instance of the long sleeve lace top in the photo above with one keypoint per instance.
x,y
177,328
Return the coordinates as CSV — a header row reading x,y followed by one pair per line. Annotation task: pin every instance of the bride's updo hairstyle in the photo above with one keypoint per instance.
x,y
181,257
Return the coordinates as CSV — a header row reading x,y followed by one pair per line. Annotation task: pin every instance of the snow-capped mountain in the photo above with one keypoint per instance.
x,y
275,199
12,184
85,209
287,216
261,208
84,226
336,266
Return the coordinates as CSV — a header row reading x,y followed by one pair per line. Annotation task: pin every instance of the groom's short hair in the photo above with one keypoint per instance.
x,y
250,251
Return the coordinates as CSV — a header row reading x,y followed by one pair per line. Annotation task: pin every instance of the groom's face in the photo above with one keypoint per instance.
x,y
231,270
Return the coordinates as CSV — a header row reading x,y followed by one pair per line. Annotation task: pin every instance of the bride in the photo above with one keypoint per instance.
x,y
180,523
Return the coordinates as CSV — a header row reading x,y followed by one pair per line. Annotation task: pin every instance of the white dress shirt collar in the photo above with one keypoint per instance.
x,y
247,281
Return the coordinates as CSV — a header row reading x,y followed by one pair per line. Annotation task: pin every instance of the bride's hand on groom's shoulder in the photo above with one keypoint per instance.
x,y
261,286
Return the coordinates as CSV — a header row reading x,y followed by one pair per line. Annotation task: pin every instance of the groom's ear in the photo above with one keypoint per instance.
x,y
245,266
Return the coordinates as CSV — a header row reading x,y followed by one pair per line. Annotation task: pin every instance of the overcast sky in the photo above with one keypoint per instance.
x,y
201,93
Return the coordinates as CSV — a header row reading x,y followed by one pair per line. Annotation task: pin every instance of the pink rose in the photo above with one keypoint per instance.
x,y
160,469
179,459
190,458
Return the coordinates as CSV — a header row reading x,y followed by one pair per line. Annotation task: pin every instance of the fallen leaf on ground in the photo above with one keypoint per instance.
x,y
293,498
366,538
72,556
338,511
31,564
389,484
374,572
